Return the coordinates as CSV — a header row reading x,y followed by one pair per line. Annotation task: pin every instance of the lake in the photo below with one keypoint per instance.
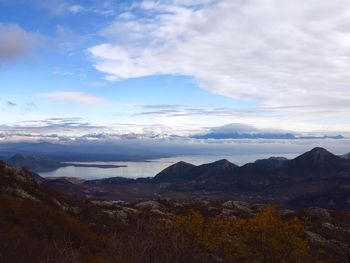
x,y
147,168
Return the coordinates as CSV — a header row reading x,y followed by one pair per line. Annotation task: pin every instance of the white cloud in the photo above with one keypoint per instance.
x,y
72,97
16,42
75,9
59,7
294,53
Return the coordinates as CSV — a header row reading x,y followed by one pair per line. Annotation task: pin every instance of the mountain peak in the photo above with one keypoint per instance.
x,y
320,153
222,162
179,170
317,154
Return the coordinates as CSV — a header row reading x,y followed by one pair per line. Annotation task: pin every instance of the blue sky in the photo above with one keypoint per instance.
x,y
174,67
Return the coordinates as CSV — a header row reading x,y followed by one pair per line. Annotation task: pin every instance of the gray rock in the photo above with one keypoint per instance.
x,y
212,209
121,215
129,210
336,229
238,206
226,212
319,240
318,213
315,238
149,205
157,212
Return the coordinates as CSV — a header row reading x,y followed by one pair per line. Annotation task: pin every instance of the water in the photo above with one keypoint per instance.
x,y
147,168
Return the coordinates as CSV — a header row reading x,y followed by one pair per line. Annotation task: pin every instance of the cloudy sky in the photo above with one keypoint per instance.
x,y
176,67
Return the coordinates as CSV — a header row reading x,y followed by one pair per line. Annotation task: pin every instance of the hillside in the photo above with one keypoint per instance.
x,y
42,225
34,163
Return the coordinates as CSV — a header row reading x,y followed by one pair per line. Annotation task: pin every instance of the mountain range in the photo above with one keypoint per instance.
x,y
316,177
284,136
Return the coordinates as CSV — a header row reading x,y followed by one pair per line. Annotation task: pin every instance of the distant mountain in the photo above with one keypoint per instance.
x,y
317,161
80,151
320,163
33,162
272,161
315,176
317,155
282,136
310,173
345,156
177,171
236,135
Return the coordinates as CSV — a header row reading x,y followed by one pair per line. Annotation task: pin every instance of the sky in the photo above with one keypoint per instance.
x,y
173,67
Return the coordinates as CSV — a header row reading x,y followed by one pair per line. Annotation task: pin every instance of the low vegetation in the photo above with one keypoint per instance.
x,y
39,225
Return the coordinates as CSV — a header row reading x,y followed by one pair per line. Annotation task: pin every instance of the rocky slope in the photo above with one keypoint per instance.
x,y
41,225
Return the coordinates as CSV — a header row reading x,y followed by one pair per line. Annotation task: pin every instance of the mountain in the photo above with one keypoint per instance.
x,y
272,161
81,151
318,163
315,176
317,156
34,163
183,171
280,136
177,171
313,172
345,156
236,135
243,131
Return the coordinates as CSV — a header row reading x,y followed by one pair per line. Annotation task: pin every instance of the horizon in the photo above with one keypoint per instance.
x,y
131,168
134,70
174,131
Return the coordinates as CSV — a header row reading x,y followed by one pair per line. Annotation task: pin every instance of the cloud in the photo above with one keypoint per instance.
x,y
290,54
11,103
64,7
16,42
59,7
75,8
63,73
72,97
59,129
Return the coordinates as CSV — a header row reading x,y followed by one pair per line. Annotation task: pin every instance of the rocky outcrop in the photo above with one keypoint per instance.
x,y
238,207
317,213
149,205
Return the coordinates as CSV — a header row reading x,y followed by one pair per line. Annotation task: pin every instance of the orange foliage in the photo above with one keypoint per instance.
x,y
264,238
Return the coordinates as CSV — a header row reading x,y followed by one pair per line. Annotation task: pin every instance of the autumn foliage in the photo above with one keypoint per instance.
x,y
36,227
